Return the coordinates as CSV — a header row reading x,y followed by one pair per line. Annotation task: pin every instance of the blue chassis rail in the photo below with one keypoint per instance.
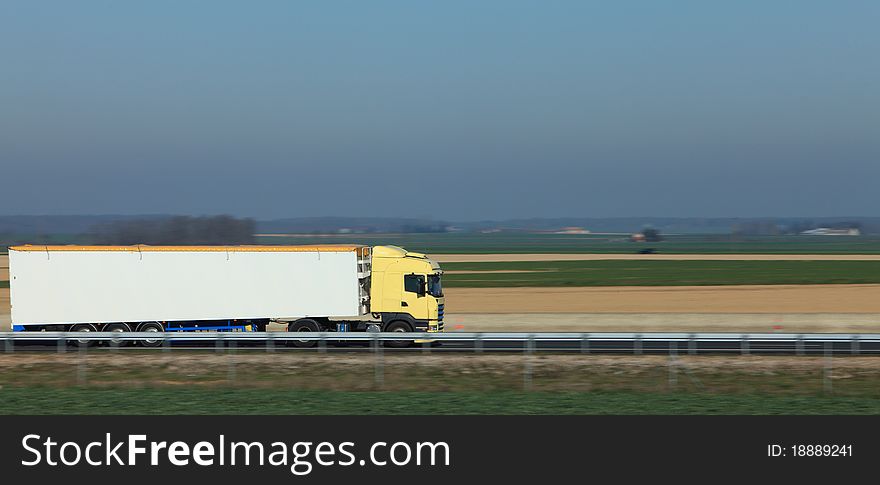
x,y
218,328
229,327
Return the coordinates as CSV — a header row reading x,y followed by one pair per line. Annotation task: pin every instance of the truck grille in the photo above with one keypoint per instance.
x,y
440,317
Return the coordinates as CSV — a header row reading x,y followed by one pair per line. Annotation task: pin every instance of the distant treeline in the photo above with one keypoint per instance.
x,y
45,225
139,228
358,225
179,230
687,225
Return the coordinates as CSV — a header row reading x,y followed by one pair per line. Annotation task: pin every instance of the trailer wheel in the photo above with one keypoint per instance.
x,y
83,327
118,327
398,326
303,325
151,327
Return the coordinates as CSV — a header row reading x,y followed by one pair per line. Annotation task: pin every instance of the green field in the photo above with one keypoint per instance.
x,y
598,243
36,400
557,243
197,382
664,273
655,273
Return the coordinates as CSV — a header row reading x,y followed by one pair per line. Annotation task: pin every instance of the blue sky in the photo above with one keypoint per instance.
x,y
447,109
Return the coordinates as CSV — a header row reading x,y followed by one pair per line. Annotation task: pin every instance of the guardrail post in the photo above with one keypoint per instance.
x,y
81,377
673,370
826,372
322,343
166,342
637,345
270,342
478,343
527,366
799,345
114,344
230,361
854,346
426,347
744,344
585,343
62,343
9,344
692,344
379,371
218,343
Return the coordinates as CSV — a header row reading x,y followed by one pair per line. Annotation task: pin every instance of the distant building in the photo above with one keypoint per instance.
x,y
827,231
572,230
637,237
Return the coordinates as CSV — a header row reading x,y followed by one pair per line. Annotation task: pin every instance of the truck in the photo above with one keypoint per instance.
x,y
142,288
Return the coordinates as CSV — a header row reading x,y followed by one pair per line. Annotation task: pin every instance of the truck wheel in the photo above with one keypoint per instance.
x,y
303,325
151,327
83,327
118,327
398,326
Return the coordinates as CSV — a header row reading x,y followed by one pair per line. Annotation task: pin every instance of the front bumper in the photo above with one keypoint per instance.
x,y
434,326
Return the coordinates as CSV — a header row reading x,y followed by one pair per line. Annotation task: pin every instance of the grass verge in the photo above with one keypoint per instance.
x,y
298,383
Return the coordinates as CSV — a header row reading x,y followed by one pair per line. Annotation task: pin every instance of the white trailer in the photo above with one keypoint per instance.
x,y
199,287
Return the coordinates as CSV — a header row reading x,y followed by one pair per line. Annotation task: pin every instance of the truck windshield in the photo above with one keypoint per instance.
x,y
434,288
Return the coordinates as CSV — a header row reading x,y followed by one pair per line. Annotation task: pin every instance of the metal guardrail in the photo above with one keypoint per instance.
x,y
637,341
442,336
827,344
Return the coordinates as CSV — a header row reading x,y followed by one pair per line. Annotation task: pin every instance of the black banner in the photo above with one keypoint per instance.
x,y
400,449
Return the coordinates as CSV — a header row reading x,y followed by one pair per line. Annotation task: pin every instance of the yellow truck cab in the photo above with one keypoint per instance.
x,y
400,292
405,287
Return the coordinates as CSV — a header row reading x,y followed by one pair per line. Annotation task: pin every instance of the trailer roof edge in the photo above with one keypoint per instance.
x,y
331,248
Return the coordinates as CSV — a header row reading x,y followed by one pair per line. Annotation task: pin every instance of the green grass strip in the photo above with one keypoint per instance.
x,y
661,273
46,400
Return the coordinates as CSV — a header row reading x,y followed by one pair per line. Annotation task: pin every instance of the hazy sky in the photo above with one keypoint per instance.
x,y
453,110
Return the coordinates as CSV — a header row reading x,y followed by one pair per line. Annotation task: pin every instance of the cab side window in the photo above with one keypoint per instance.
x,y
413,283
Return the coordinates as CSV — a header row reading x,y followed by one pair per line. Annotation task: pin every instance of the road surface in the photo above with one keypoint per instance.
x,y
479,258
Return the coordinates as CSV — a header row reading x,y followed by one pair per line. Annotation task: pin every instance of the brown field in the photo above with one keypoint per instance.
x,y
480,258
784,308
664,322
668,299
5,318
